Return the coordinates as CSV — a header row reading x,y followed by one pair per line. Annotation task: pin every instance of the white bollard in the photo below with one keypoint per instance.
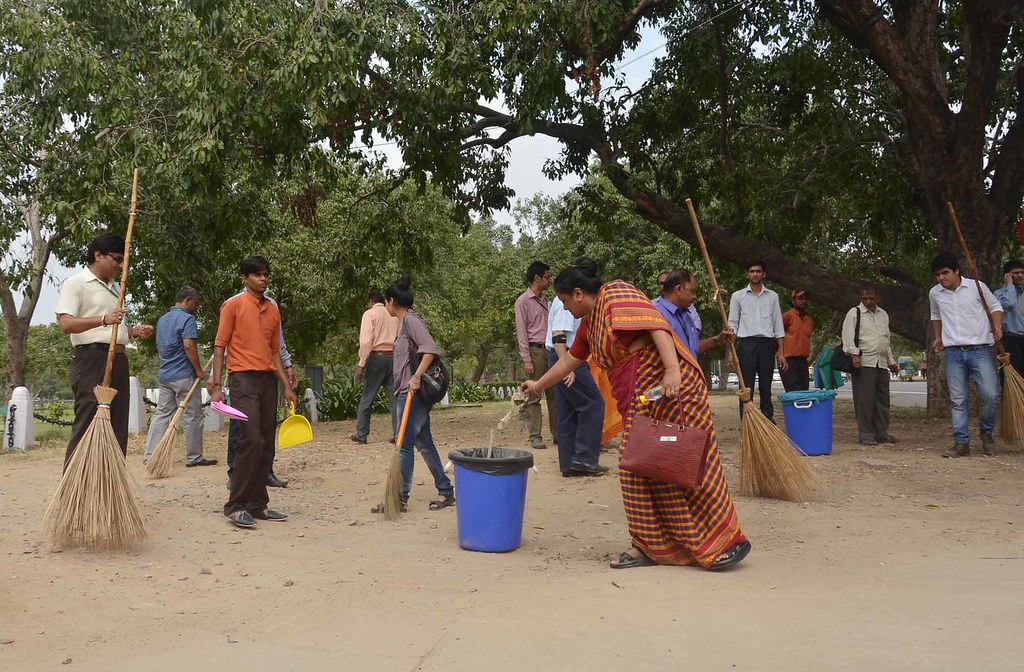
x,y
212,422
24,434
136,407
444,400
311,405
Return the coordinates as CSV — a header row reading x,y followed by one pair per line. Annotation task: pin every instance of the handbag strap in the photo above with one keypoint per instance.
x,y
856,333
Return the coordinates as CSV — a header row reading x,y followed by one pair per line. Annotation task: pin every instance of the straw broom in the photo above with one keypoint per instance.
x,y
159,464
95,505
770,464
393,484
1011,416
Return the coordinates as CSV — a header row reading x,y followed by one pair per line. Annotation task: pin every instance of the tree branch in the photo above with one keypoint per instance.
x,y
629,23
834,290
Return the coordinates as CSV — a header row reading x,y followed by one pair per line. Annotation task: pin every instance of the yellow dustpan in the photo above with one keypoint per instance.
x,y
294,430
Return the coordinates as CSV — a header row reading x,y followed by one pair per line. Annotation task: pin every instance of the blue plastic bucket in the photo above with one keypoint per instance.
x,y
808,418
491,496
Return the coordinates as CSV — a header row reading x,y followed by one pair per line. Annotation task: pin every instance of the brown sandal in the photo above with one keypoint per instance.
x,y
442,503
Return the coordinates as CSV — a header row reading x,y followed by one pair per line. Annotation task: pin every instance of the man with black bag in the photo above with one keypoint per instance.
x,y
867,340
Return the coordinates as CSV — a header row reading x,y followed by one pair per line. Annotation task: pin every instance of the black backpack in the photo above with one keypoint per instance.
x,y
841,360
435,380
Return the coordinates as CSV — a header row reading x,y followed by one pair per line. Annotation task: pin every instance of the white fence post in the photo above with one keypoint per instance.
x,y
24,429
310,397
136,407
212,422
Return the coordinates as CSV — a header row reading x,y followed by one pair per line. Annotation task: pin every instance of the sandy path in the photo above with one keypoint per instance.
x,y
904,562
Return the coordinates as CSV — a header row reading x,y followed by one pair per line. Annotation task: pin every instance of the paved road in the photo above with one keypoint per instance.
x,y
900,394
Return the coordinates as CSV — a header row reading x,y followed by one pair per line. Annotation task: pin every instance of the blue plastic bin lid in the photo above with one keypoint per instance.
x,y
806,395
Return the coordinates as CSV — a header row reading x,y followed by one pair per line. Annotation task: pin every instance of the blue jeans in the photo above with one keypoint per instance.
x,y
417,433
980,366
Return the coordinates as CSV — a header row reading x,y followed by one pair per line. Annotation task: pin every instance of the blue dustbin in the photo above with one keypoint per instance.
x,y
491,495
809,419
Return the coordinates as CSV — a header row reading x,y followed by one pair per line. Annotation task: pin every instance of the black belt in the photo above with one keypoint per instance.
x,y
537,345
100,346
968,347
382,352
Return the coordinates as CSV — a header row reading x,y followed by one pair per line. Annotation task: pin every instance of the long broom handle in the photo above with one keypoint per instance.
x,y
714,286
405,420
195,384
974,271
108,371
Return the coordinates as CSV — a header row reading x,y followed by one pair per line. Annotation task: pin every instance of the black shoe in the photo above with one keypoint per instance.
x,y
242,519
392,439
203,462
580,469
732,557
271,515
355,439
275,482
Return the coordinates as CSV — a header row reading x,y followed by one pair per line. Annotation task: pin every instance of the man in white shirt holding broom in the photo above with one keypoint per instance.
x,y
87,310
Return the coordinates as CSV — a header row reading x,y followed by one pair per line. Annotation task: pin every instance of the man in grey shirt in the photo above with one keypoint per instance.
x,y
755,316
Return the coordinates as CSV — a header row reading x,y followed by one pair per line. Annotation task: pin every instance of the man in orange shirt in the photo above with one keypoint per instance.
x,y
249,332
377,333
796,345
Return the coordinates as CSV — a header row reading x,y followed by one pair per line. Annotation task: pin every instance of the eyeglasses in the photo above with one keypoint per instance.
x,y
119,258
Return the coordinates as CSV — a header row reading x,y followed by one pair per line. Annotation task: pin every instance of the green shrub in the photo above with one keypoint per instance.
x,y
462,392
340,400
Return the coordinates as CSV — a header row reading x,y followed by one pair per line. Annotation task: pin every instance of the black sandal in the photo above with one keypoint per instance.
x,y
402,508
444,502
732,557
627,561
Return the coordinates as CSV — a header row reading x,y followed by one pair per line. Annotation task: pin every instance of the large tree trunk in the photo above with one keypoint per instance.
x,y
17,320
17,348
481,363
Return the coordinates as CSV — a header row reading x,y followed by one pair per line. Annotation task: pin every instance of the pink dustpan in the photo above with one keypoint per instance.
x,y
228,411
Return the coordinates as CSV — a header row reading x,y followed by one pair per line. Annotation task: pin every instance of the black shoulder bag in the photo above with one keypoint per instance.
x,y
435,380
842,360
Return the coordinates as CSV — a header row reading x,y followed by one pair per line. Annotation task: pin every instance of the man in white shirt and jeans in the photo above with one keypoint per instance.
x,y
963,332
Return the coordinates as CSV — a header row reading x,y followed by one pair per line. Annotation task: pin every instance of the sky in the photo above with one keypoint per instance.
x,y
524,174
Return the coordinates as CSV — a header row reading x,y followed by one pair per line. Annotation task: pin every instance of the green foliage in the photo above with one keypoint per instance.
x,y
462,392
340,399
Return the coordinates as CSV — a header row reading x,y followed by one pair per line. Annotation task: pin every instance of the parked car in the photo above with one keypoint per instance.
x,y
732,380
715,380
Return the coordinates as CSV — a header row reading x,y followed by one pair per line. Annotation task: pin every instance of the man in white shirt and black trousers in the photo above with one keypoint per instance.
x,y
756,317
963,332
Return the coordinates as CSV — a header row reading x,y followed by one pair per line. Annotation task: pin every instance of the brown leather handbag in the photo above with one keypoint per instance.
x,y
667,452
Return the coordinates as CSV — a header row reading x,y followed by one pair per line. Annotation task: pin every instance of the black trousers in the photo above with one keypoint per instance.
x,y
255,394
871,402
87,367
796,377
580,410
1014,345
757,358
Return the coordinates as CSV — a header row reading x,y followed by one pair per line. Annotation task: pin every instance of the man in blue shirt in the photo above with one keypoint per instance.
x,y
579,404
177,343
676,304
1011,298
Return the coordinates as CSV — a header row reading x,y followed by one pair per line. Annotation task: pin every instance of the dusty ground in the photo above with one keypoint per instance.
x,y
905,561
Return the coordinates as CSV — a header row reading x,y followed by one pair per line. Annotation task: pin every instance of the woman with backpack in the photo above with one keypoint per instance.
x,y
415,351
